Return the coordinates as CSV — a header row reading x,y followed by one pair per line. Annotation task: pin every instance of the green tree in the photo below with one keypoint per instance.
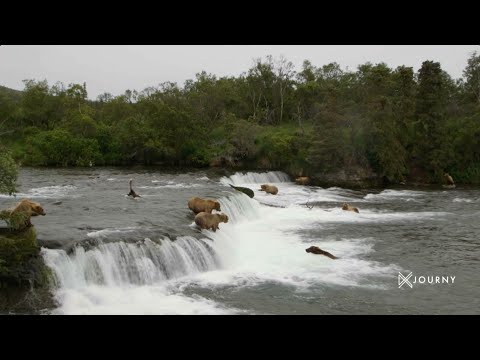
x,y
472,77
61,148
432,142
8,172
404,89
330,138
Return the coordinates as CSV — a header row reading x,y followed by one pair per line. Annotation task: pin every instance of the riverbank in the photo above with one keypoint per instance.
x,y
353,178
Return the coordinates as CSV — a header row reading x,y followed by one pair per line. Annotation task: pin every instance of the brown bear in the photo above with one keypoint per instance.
x,y
347,207
210,221
23,211
302,180
449,179
198,205
318,251
270,189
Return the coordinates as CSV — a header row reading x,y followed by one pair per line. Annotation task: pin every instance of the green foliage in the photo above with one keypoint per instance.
x,y
385,151
472,77
61,148
243,139
8,172
15,251
324,119
15,221
282,147
431,139
14,95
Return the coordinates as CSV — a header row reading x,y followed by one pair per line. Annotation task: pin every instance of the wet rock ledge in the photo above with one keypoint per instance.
x,y
25,280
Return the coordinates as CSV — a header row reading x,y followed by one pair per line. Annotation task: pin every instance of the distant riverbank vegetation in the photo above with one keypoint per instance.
x,y
376,122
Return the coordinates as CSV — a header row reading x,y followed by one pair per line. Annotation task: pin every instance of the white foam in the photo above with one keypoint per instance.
x,y
141,263
255,178
170,186
132,278
289,194
107,232
47,192
337,215
399,194
259,245
462,200
134,300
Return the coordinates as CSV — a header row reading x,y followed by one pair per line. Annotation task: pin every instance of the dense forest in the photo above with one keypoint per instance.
x,y
377,123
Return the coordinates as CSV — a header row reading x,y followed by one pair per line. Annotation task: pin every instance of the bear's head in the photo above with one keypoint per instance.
x,y
345,206
311,249
34,208
37,210
217,205
224,218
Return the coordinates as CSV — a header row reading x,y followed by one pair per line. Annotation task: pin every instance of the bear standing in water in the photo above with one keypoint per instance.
x,y
318,251
349,208
270,189
210,221
302,180
198,205
449,179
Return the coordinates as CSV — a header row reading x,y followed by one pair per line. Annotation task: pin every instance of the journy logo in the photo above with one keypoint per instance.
x,y
402,280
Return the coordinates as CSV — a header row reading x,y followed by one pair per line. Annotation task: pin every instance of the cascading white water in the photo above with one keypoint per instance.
x,y
256,178
133,278
120,263
239,207
261,244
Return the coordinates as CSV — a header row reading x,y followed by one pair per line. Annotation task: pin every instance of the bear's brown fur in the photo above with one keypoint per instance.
x,y
449,179
318,251
347,207
270,189
302,180
26,209
198,205
210,221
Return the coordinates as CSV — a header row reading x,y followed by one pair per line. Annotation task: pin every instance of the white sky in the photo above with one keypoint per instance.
x,y
116,68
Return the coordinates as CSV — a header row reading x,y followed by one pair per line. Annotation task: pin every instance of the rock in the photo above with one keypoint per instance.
x,y
24,278
246,191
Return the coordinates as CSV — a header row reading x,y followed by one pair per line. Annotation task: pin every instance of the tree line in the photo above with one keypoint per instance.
x,y
393,124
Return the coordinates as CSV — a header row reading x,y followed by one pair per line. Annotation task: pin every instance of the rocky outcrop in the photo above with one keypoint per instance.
x,y
24,278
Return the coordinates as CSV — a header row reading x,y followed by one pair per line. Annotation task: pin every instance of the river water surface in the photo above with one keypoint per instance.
x,y
112,254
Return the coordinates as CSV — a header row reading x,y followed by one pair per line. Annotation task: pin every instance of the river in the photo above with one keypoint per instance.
x,y
112,254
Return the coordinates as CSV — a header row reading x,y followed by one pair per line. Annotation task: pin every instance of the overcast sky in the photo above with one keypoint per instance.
x,y
114,69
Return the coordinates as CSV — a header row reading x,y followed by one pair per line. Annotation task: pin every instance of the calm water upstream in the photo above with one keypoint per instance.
x,y
116,255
